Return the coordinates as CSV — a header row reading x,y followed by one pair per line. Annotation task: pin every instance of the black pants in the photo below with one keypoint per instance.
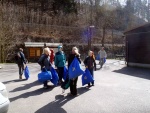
x,y
60,73
92,73
21,68
45,83
73,86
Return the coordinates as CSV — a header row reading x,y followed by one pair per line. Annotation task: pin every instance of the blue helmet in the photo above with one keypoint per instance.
x,y
59,46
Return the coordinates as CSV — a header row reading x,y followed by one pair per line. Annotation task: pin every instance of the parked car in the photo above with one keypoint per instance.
x,y
4,100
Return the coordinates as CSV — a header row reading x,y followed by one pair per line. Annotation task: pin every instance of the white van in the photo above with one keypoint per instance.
x,y
4,100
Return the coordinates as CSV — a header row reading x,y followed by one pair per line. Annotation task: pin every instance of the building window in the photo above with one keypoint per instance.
x,y
38,53
34,52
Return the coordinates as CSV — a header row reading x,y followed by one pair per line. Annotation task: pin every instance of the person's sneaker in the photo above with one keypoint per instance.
x,y
70,94
76,94
45,87
59,82
89,86
63,91
20,77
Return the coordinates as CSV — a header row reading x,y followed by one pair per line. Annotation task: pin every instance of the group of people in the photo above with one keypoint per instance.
x,y
60,63
47,58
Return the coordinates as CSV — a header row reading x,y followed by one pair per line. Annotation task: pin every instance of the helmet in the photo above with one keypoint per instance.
x,y
59,46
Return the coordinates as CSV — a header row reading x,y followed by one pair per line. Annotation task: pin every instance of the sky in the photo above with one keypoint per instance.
x,y
122,1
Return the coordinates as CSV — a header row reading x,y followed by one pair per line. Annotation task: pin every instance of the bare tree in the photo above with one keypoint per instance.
x,y
7,32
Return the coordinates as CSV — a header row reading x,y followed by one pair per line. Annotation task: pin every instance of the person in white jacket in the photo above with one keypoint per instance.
x,y
103,55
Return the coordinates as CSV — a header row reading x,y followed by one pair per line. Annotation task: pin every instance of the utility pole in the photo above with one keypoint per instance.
x,y
91,26
1,24
112,42
0,48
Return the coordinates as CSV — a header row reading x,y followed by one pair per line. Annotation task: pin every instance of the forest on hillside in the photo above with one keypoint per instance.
x,y
69,21
83,12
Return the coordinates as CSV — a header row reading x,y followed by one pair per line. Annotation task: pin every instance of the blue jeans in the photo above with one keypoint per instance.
x,y
101,62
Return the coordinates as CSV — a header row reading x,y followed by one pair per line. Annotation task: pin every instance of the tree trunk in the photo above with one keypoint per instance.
x,y
112,43
2,54
0,51
103,38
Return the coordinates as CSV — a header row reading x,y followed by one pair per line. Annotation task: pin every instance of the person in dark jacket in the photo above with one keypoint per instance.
x,y
73,82
44,62
60,62
90,63
21,61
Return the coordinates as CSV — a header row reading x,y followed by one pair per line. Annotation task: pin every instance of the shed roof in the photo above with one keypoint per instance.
x,y
53,44
41,44
137,27
34,44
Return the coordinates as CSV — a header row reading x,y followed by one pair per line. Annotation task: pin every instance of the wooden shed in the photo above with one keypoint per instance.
x,y
35,49
138,46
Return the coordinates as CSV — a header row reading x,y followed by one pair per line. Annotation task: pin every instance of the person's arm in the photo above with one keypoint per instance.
x,y
79,59
56,61
23,57
100,53
41,61
94,64
105,54
65,58
85,62
69,62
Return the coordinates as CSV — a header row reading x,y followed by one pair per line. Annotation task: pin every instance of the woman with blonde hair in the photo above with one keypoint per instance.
x,y
44,62
90,63
73,82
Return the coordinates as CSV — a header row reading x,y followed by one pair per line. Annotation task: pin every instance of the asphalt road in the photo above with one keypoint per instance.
x,y
117,89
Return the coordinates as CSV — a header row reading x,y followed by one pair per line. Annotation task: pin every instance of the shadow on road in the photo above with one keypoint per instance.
x,y
32,93
60,100
16,80
133,71
26,86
